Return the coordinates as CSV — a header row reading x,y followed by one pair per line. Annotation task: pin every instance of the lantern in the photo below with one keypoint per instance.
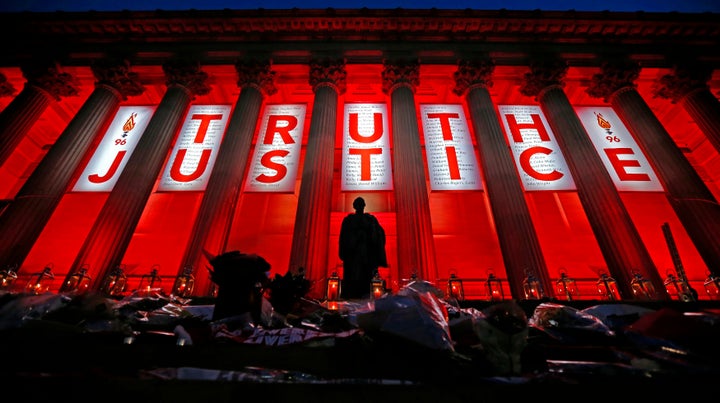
x,y
79,282
40,282
607,287
184,283
672,285
334,283
641,287
150,280
712,286
332,305
566,286
7,278
494,287
455,288
531,286
377,286
115,282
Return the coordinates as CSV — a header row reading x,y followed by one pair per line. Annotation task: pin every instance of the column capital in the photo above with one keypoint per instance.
x,y
398,73
6,88
683,80
257,74
117,75
186,74
328,71
473,73
49,77
614,75
544,73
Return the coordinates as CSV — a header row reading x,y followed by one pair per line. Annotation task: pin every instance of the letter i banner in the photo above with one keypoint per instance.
x,y
111,155
451,160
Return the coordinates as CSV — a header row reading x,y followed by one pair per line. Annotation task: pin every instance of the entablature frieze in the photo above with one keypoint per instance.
x,y
292,36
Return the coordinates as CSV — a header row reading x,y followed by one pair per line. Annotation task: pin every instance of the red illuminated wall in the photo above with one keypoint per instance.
x,y
465,239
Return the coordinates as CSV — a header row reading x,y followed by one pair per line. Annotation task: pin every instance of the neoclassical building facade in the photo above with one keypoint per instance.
x,y
514,150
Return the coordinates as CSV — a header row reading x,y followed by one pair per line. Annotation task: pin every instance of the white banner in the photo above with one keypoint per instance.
x,y
623,159
114,150
196,149
277,150
537,154
450,153
366,148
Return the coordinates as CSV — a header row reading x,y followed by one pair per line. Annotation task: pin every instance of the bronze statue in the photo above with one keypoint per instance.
x,y
362,250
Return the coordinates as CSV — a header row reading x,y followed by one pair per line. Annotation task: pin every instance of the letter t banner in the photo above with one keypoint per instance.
x,y
451,160
196,149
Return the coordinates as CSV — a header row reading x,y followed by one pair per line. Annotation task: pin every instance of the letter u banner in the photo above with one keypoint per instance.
x,y
366,148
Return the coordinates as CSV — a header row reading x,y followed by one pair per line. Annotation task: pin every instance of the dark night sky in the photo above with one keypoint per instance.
x,y
683,6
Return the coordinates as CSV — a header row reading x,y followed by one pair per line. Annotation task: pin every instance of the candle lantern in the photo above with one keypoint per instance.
x,y
712,286
115,282
673,286
377,286
184,283
494,287
607,288
334,283
39,283
150,280
7,278
566,286
641,287
531,286
79,282
455,287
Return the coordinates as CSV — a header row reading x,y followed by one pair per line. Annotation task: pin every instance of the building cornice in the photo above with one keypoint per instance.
x,y
292,35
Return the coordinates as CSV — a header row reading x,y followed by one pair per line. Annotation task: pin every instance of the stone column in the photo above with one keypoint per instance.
x,y
215,215
692,201
518,240
44,85
109,237
688,86
312,220
24,219
614,230
416,248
